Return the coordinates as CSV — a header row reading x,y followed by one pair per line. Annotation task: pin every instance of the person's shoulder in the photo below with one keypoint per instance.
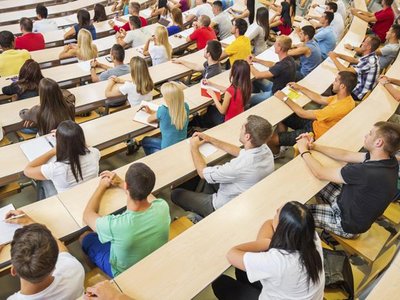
x,y
159,202
94,151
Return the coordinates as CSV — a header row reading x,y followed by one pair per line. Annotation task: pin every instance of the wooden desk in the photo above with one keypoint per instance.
x,y
11,5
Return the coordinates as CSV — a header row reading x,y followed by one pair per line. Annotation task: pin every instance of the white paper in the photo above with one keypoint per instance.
x,y
7,230
145,13
209,86
38,146
84,65
206,149
186,32
142,116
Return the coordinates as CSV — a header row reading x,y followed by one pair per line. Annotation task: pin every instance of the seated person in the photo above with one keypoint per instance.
x,y
337,23
134,10
177,22
160,9
183,5
276,266
282,22
221,22
84,22
317,121
28,40
242,10
134,37
201,8
158,47
120,241
117,54
325,35
278,75
42,24
84,50
259,36
252,164
388,83
202,32
99,13
366,67
11,60
362,189
121,6
45,268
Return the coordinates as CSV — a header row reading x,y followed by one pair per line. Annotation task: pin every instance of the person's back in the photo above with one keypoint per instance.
x,y
240,48
385,19
307,64
221,21
28,40
42,24
11,60
170,135
325,36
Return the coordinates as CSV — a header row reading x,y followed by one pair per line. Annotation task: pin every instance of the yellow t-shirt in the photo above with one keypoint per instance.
x,y
12,60
239,49
331,114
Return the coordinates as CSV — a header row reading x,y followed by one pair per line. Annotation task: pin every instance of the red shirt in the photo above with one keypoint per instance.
x,y
30,41
236,105
202,35
384,20
284,29
143,22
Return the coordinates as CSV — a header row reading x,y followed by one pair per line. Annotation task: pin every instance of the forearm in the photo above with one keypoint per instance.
x,y
224,146
94,76
94,202
395,93
198,161
317,98
192,66
340,66
339,154
256,246
348,58
41,160
297,109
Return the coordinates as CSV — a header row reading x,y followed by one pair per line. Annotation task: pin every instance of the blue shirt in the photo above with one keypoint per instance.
x,y
169,134
90,28
173,29
307,64
326,40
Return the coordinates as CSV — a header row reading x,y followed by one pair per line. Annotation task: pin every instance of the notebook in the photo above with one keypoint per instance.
x,y
7,230
38,146
205,87
291,93
142,116
206,149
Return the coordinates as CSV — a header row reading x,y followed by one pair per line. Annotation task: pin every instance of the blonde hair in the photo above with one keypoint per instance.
x,y
86,49
173,95
140,75
285,42
177,17
161,34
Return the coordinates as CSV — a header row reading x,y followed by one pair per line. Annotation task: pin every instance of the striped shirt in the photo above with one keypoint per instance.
x,y
367,71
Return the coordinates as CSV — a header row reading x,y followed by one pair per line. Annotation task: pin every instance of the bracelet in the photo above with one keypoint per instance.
x,y
305,152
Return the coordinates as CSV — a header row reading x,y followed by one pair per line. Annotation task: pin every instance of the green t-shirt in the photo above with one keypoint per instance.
x,y
134,234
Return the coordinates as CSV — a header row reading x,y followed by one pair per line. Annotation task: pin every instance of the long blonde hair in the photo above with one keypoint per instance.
x,y
86,49
140,75
161,34
173,95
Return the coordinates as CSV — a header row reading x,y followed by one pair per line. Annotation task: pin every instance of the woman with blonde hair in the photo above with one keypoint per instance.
x,y
161,51
84,50
139,89
173,119
177,22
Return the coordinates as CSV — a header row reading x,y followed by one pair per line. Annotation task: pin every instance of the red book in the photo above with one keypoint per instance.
x,y
205,87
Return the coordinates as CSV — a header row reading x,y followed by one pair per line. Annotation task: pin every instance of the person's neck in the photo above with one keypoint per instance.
x,y
342,94
248,146
393,40
28,288
237,35
282,55
378,154
137,205
118,63
366,52
211,61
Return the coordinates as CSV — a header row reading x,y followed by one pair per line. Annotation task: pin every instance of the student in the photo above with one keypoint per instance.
x,y
250,165
292,8
308,52
278,75
337,22
342,10
42,263
282,22
221,22
362,189
366,67
28,81
69,163
134,37
106,291
117,54
388,52
382,19
84,50
11,60
28,40
99,13
42,24
240,48
243,11
122,6
137,90
202,32
134,9
183,5
177,22
325,36
120,241
260,34
173,119
201,8
286,258
83,23
389,83
161,50
160,9
317,121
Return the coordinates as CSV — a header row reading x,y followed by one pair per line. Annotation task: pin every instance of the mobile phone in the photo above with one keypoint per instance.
x,y
108,58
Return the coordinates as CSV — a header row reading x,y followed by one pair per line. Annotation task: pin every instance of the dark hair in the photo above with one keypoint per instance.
x,y
99,13
215,49
260,130
241,25
218,4
41,11
240,79
250,4
83,18
309,31
262,19
333,6
29,76
296,232
53,108
26,24
390,132
205,20
34,252
396,30
292,4
329,16
135,21
70,145
135,6
140,181
163,3
176,15
374,41
348,79
388,2
118,52
285,14
6,39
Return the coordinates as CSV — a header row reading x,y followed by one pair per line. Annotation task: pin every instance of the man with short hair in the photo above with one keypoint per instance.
x,y
45,268
325,35
120,241
201,8
317,121
278,75
134,37
11,60
28,40
42,24
117,54
337,22
221,22
250,165
134,10
363,188
366,67
202,32
382,19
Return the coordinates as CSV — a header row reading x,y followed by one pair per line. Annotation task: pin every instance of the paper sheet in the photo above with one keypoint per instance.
x,y
142,116
291,93
38,146
206,149
84,65
7,230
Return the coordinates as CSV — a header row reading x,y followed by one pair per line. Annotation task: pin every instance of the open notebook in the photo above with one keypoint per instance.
x,y
205,87
38,146
142,116
7,230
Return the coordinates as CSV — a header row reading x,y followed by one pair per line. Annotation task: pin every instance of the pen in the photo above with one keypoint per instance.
x,y
51,144
15,217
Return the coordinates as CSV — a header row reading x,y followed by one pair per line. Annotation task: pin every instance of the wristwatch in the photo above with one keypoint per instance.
x,y
285,99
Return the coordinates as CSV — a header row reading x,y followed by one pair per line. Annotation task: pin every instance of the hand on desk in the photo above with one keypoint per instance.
x,y
281,96
195,142
176,61
109,179
103,291
202,136
18,217
383,79
294,85
305,142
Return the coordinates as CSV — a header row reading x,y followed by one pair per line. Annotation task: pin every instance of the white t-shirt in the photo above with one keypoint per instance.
x,y
282,276
69,277
341,9
256,34
44,25
135,37
224,25
202,9
61,175
158,54
337,25
134,98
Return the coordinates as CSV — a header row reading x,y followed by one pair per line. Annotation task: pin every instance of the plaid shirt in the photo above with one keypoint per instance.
x,y
367,71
